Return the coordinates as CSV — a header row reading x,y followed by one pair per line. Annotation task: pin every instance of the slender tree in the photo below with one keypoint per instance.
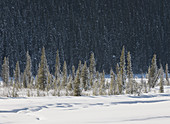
x,y
57,66
64,81
129,86
167,77
153,72
84,76
92,68
43,71
77,91
27,72
17,75
122,66
112,88
5,72
161,80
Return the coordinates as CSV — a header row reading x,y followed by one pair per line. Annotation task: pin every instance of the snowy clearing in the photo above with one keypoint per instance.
x,y
122,109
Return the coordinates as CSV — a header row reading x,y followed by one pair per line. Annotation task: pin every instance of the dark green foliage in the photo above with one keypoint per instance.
x,y
42,71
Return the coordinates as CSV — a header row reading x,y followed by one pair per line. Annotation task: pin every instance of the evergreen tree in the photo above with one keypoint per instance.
x,y
112,88
119,80
153,72
122,66
17,75
129,86
92,69
43,71
27,72
73,72
161,80
77,91
167,77
102,84
64,81
84,76
5,72
57,66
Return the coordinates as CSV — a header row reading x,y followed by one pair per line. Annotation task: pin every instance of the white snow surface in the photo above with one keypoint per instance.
x,y
150,108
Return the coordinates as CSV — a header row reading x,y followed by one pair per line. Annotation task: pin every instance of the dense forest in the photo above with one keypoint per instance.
x,y
79,27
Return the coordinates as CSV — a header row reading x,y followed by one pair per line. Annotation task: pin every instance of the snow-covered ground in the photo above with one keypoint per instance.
x,y
151,108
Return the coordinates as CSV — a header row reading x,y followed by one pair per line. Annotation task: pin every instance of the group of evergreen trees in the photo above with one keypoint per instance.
x,y
85,79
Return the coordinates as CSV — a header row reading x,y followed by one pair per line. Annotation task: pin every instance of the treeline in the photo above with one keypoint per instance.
x,y
83,80
77,27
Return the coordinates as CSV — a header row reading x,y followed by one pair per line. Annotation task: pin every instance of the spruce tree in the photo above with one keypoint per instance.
x,y
102,84
84,76
153,72
167,77
17,75
27,72
119,80
73,72
92,69
43,72
64,81
77,91
57,66
161,80
122,66
5,72
129,86
112,88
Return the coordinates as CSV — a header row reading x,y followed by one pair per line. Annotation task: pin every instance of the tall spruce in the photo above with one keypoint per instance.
x,y
84,76
167,77
119,79
5,72
123,66
77,91
153,72
92,69
73,72
129,86
42,72
17,75
64,81
112,88
102,84
27,72
57,66
161,83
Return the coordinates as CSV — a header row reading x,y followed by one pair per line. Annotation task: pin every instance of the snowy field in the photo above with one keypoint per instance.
x,y
151,108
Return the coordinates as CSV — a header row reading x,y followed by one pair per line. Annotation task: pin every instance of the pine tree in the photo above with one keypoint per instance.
x,y
84,76
96,84
5,72
64,82
27,72
161,80
17,75
119,80
167,77
129,86
77,91
92,69
73,72
43,71
153,72
102,84
149,78
112,88
122,66
57,66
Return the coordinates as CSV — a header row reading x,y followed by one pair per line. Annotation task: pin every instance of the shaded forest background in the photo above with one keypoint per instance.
x,y
78,27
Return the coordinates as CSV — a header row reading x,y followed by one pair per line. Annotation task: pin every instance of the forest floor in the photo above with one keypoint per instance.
x,y
148,108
